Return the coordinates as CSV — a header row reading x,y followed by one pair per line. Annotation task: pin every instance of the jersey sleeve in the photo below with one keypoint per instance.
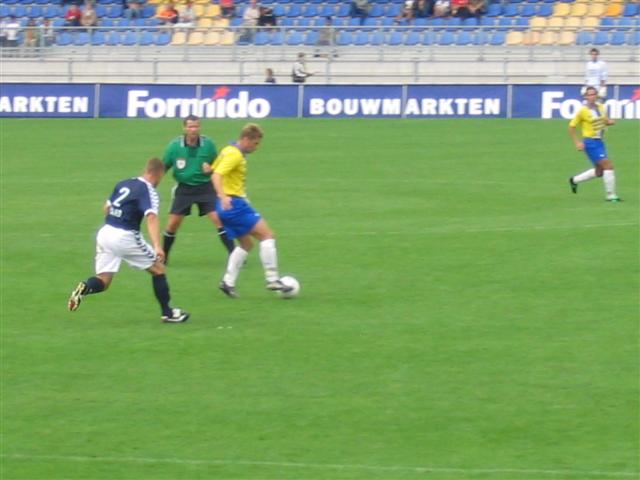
x,y
577,120
149,201
168,157
228,159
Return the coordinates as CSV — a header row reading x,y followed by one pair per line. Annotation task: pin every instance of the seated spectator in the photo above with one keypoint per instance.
x,y
89,16
406,13
47,35
228,8
441,8
250,20
133,10
326,38
460,8
267,18
11,30
187,17
422,8
360,9
478,7
31,35
168,14
73,16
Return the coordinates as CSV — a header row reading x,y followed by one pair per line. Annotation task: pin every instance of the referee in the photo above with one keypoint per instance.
x,y
191,155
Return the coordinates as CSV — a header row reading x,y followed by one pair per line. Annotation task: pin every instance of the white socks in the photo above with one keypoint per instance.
x,y
609,178
585,176
269,259
234,264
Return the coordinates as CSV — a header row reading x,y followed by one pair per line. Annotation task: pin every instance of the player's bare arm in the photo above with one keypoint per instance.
x,y
218,183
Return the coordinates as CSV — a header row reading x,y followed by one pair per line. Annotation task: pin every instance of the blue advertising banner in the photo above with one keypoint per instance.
x,y
352,101
456,101
46,100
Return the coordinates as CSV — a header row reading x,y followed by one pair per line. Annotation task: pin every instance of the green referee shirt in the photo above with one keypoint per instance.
x,y
187,161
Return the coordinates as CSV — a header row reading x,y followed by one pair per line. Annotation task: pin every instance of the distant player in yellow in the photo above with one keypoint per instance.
x,y
239,218
592,119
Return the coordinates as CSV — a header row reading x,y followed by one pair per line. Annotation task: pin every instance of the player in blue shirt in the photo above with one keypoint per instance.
x,y
119,239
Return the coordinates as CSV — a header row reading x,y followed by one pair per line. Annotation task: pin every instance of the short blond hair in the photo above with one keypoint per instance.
x,y
251,131
154,166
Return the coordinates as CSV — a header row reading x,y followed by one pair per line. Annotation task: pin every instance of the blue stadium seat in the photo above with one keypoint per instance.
x,y
361,38
521,23
446,38
287,22
304,22
617,38
146,38
376,10
115,11
453,23
163,38
488,22
261,38
464,38
338,22
277,38
634,38
412,38
494,10
5,10
504,23
584,38
344,38
510,10
80,38
148,11
294,10
343,10
395,38
311,38
98,38
545,10
393,10
63,39
481,37
35,11
19,11
497,38
376,38
129,38
295,38
429,38
279,10
422,22
328,11
601,38
9,2
630,9
528,10
626,23
51,11
471,22
311,10
607,23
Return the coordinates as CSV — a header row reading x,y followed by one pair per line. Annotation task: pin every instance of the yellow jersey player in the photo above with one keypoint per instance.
x,y
592,119
238,217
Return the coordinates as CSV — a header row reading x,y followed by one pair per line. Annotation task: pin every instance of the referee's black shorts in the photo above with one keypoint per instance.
x,y
184,196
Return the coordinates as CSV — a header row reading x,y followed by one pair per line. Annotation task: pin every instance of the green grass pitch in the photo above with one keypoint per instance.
x,y
463,316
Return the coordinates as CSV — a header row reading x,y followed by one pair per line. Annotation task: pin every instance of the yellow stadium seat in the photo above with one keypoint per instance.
x,y
561,9
196,38
531,38
613,10
596,9
567,38
199,10
579,9
538,23
549,38
590,23
205,22
227,38
221,22
573,23
212,10
212,38
514,38
179,38
555,22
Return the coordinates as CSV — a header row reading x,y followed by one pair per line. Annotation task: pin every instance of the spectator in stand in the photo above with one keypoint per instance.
x,y
299,73
47,34
267,18
31,37
269,78
3,32
73,16
168,14
478,7
187,16
360,9
133,10
460,8
406,13
89,17
228,8
326,38
250,20
422,8
441,8
11,29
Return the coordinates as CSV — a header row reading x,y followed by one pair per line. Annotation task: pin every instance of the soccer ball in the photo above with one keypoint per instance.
x,y
289,281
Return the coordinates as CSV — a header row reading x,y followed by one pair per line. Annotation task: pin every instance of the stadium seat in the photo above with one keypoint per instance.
x,y
617,38
579,9
80,38
463,38
630,9
412,39
584,38
497,38
471,22
35,11
376,38
395,38
115,11
613,10
98,38
504,23
343,10
607,23
521,23
555,23
494,10
480,37
545,10
344,38
567,38
19,11
596,9
510,10
163,38
488,22
528,10
361,38
295,38
50,11
311,38
294,10
196,37
5,10
634,38
549,38
429,38
311,10
376,11
561,9
328,11
393,10
113,38
601,38
514,38
590,23
446,38
179,38
453,23
304,22
626,23
573,23
64,39
538,23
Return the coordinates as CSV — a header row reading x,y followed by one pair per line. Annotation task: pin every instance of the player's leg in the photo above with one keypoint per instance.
x,y
222,233
591,151
609,179
170,232
162,293
268,255
235,262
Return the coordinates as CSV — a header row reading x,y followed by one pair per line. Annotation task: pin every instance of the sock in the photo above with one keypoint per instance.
x,y
229,245
609,179
161,291
234,264
585,176
168,239
269,259
94,285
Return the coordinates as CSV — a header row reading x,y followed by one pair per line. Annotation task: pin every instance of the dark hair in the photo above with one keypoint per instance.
x,y
594,50
190,118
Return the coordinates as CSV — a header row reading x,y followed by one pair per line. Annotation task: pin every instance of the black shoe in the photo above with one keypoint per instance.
x,y
228,290
573,185
177,316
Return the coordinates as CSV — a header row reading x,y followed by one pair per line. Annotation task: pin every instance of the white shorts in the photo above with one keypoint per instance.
x,y
114,245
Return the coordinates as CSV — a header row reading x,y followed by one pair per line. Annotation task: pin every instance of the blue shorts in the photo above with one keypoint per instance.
x,y
595,149
240,219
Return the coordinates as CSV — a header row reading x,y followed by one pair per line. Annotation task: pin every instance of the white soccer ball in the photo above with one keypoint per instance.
x,y
290,281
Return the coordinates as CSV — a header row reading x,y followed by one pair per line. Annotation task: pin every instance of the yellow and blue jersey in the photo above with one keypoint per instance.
x,y
592,121
232,165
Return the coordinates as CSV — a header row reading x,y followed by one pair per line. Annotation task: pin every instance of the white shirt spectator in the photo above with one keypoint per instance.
x,y
596,73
